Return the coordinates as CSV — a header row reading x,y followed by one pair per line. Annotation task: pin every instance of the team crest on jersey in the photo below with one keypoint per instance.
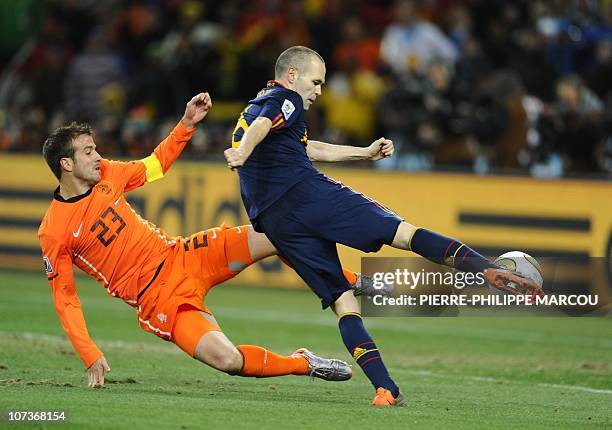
x,y
104,187
48,266
288,108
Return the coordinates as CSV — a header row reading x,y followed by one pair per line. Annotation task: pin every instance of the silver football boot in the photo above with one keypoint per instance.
x,y
365,287
328,369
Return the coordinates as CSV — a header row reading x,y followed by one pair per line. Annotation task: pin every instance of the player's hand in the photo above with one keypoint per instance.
x,y
96,372
196,109
235,158
380,148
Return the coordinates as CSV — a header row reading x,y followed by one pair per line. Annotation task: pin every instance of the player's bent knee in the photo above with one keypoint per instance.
x,y
403,236
346,304
259,245
216,350
230,363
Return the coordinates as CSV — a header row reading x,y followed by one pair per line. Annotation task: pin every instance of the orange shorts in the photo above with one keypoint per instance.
x,y
196,264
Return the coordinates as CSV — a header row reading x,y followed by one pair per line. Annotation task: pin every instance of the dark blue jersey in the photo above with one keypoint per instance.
x,y
279,161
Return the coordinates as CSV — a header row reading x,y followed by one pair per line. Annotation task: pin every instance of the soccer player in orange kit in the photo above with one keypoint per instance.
x,y
91,225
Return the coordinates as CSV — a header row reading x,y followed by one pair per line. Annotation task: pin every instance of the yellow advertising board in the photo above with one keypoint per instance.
x,y
493,214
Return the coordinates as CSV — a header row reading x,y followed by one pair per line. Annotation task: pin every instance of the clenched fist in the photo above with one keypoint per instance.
x,y
381,148
235,158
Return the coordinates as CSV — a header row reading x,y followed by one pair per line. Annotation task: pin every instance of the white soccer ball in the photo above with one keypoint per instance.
x,y
523,264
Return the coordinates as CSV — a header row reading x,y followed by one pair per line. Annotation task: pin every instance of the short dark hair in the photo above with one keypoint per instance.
x,y
59,145
297,57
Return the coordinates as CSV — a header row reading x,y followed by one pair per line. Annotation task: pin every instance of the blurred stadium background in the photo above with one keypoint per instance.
x,y
469,85
501,113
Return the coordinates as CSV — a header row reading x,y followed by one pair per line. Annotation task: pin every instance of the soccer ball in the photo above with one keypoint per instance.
x,y
523,264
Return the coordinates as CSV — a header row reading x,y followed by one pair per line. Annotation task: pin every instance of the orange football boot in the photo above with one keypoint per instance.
x,y
384,397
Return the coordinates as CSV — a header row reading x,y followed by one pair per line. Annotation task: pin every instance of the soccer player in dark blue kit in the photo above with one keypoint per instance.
x,y
305,214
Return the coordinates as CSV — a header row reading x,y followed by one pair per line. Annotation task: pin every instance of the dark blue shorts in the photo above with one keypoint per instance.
x,y
312,217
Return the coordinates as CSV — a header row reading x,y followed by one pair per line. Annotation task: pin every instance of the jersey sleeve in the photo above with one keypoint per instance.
x,y
58,268
282,109
136,173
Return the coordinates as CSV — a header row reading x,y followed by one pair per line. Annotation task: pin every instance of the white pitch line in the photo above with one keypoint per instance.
x,y
402,325
120,344
427,373
578,388
406,325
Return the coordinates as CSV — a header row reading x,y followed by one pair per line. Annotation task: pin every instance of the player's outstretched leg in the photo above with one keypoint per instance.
x,y
365,352
260,247
440,249
453,253
261,363
198,334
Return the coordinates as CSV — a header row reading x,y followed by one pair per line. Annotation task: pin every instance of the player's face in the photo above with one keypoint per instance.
x,y
309,82
86,160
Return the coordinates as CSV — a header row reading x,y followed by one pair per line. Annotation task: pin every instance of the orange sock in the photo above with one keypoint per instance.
x,y
350,276
261,363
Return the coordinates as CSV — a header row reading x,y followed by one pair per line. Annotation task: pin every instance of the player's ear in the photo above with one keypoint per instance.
x,y
292,75
66,164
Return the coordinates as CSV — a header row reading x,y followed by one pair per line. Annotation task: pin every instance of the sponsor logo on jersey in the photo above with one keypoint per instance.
x,y
76,233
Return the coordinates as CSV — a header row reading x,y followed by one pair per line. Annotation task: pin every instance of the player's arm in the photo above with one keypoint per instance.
x,y
327,152
171,147
277,113
257,131
156,165
58,268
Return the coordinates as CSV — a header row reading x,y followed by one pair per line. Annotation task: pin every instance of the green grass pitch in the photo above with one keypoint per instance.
x,y
456,372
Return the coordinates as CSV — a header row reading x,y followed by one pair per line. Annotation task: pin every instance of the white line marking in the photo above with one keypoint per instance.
x,y
427,373
153,346
164,347
578,388
408,325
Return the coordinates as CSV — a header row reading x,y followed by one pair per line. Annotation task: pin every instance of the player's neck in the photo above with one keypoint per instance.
x,y
71,187
285,83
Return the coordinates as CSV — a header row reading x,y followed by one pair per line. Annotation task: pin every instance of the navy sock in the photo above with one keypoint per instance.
x,y
450,252
364,351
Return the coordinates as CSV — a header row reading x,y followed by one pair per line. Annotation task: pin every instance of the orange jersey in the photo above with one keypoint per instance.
x,y
102,235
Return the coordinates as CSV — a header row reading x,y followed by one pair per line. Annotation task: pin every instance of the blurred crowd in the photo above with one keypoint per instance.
x,y
472,85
